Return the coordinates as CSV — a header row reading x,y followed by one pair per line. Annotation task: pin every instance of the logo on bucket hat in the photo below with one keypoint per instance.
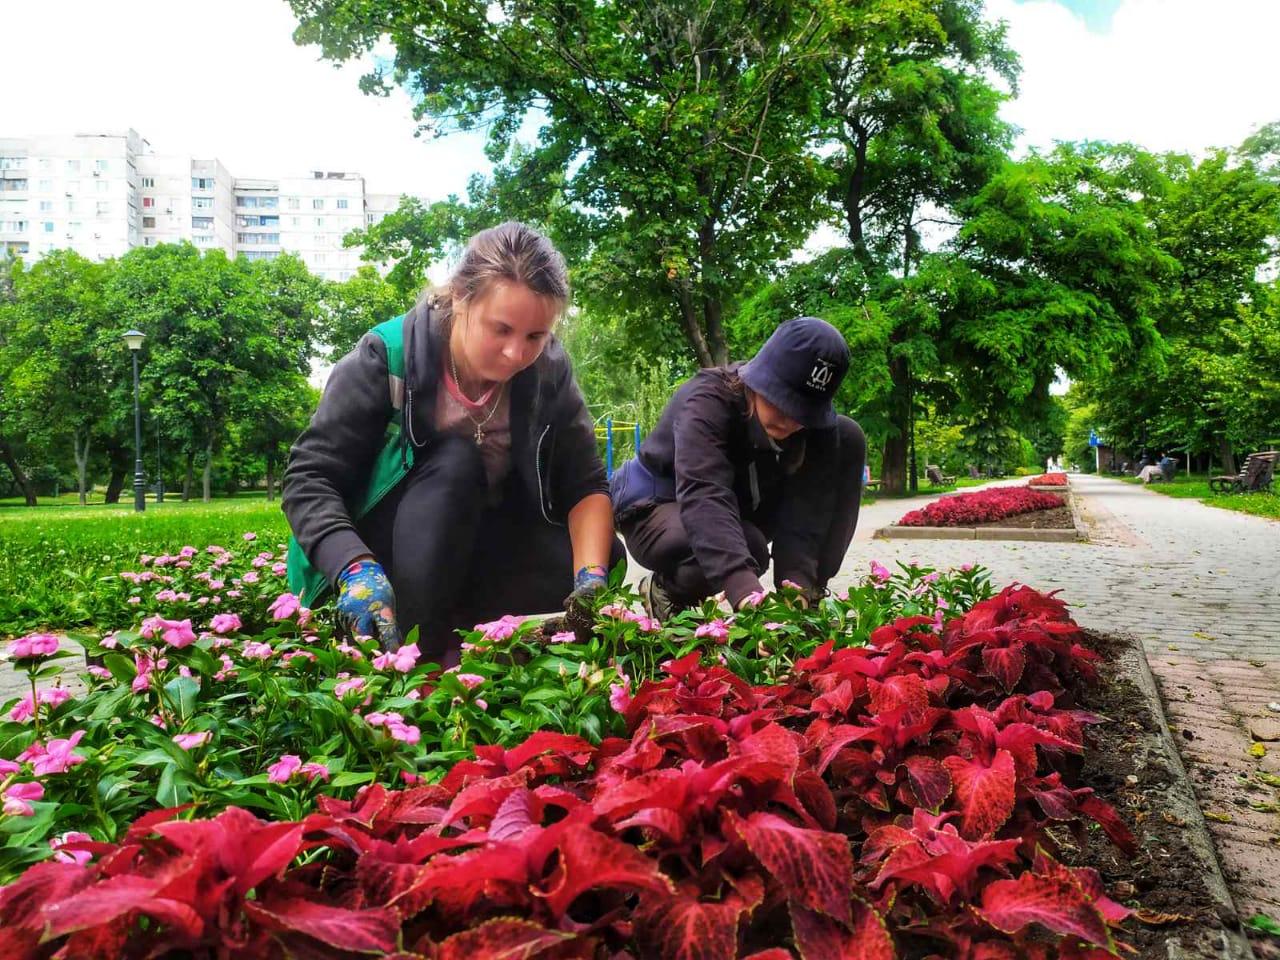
x,y
821,375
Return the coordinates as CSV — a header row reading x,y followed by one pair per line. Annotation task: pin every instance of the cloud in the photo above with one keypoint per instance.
x,y
1168,74
222,80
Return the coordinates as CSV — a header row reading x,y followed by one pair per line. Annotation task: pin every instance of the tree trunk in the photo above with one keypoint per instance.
x,y
115,484
10,461
1228,457
897,441
82,464
189,478
271,478
692,329
208,471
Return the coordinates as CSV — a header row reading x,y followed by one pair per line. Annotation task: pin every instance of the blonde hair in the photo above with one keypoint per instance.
x,y
511,251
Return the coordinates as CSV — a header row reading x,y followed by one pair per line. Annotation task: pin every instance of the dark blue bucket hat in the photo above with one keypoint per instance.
x,y
799,370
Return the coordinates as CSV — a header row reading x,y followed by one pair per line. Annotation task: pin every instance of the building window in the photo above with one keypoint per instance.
x,y
295,221
48,226
201,203
148,182
294,203
148,203
318,239
368,218
317,204
103,208
14,226
148,223
73,166
46,163
13,185
202,183
12,163
74,226
257,238
71,206
45,186
319,221
46,206
101,186
320,258
103,165
202,223
148,241
342,203
205,239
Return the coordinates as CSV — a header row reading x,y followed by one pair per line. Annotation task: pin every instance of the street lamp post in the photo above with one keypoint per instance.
x,y
159,468
134,339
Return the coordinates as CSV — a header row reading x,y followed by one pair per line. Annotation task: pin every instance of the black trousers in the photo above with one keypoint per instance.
x,y
656,537
454,560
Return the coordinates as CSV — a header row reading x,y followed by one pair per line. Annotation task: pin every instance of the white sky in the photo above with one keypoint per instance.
x,y
225,79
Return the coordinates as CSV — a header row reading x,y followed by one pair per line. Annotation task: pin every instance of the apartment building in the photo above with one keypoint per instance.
x,y
104,194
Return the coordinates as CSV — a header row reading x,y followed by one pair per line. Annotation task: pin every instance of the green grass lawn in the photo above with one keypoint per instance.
x,y
58,564
1196,487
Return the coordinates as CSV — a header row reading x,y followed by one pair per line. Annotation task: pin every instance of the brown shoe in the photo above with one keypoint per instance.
x,y
658,603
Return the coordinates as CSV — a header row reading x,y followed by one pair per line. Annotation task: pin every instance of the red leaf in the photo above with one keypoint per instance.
x,y
1056,903
589,859
985,794
503,939
47,882
814,868
1111,824
116,897
1005,664
930,781
666,822
358,931
517,813
821,938
689,929
773,953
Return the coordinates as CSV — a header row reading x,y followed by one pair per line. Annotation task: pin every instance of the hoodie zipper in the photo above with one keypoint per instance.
x,y
537,466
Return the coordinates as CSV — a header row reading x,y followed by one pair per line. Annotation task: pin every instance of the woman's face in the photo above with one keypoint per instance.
x,y
503,329
776,423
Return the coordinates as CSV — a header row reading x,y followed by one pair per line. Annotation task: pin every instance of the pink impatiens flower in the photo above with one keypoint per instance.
x,y
80,857
224,623
564,636
18,798
717,630
189,741
255,650
249,536
33,645
620,694
25,709
283,769
284,606
501,628
470,680
313,771
178,633
8,766
55,757
753,599
879,571
402,660
354,685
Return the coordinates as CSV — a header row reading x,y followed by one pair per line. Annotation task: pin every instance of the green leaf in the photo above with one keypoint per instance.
x,y
183,692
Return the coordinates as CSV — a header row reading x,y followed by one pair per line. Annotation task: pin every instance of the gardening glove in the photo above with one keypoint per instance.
x,y
580,606
367,604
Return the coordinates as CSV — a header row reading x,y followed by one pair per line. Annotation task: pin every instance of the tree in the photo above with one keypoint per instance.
x,y
352,308
8,359
66,357
673,147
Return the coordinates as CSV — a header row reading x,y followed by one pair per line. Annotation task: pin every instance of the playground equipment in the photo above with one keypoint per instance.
x,y
606,430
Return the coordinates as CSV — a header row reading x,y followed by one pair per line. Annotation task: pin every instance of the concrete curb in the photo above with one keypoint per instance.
x,y
1235,943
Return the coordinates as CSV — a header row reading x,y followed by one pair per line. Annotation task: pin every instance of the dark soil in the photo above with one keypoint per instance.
x,y
1126,765
1055,518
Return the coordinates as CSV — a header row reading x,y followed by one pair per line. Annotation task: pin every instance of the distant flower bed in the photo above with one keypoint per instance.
x,y
1048,480
983,506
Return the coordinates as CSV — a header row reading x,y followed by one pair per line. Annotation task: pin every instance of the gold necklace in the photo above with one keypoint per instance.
x,y
479,434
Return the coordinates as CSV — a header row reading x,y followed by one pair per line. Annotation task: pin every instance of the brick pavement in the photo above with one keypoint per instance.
x,y
1201,588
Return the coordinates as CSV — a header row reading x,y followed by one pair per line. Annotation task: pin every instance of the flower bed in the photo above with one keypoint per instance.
x,y
981,506
1048,480
854,801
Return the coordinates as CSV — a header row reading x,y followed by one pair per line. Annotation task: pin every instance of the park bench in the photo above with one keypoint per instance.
x,y
1255,475
937,477
872,485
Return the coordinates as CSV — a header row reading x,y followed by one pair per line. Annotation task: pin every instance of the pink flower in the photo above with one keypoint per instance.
x,y
8,766
930,577
24,710
354,685
470,680
404,733
293,655
178,633
33,645
615,611
157,721
774,625
717,630
564,636
189,741
235,594
102,673
753,599
648,624
249,577
879,571
313,770
304,616
216,584
255,650
258,563
348,650
249,536
141,682
283,607
481,702
409,778
228,668
224,623
151,626
187,551
620,694
966,567
279,569
17,799
402,660
80,857
792,584
166,596
500,629
283,769
134,600
56,757
109,641
380,719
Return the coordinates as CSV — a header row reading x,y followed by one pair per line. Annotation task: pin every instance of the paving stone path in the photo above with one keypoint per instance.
x,y
1200,587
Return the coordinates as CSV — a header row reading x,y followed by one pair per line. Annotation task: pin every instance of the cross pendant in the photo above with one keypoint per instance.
x,y
479,435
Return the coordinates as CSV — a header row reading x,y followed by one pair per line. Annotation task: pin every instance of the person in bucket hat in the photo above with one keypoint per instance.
x,y
748,463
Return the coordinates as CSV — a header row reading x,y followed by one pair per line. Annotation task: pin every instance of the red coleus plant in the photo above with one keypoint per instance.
x,y
1054,479
889,797
981,506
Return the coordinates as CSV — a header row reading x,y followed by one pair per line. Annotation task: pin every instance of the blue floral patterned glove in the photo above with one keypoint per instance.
x,y
579,606
367,604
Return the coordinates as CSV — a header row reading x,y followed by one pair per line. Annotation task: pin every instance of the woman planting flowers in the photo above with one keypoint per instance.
x,y
742,457
450,473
